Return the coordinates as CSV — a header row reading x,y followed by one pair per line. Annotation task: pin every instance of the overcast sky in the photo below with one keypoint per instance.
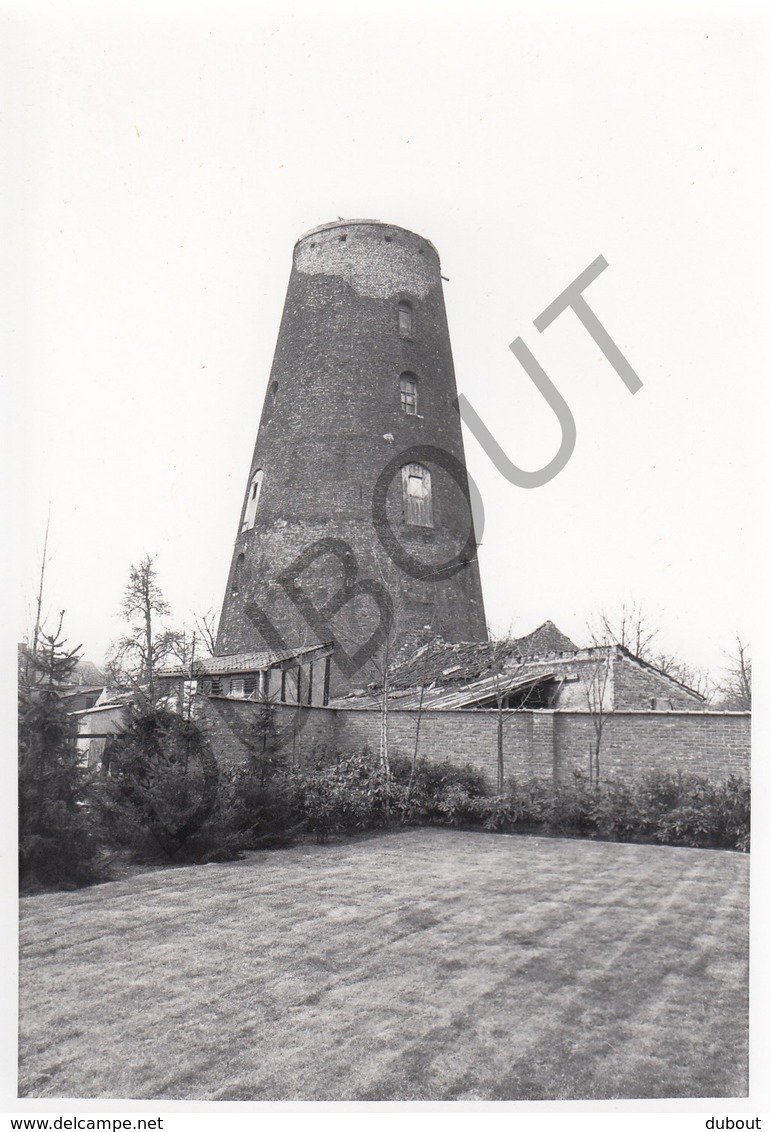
x,y
167,159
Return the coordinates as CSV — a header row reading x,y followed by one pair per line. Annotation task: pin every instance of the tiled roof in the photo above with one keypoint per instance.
x,y
240,662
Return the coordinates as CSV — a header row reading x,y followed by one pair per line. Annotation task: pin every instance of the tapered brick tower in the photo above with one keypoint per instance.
x,y
356,525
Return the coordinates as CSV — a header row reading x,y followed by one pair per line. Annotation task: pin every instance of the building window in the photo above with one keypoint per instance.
x,y
405,319
238,575
216,686
250,686
416,491
252,499
237,686
408,391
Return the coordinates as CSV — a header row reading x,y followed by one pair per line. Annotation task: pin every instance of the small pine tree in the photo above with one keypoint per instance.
x,y
57,848
264,760
160,786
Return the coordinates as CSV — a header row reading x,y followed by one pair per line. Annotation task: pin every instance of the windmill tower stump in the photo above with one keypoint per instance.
x,y
356,524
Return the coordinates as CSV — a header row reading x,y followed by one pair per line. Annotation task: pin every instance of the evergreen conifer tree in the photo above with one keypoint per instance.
x,y
57,848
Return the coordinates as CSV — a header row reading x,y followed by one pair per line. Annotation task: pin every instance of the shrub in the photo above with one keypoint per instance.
x,y
701,813
456,806
442,793
348,795
255,813
615,811
523,807
573,809
671,809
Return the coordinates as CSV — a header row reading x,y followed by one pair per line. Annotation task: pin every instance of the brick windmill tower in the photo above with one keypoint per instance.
x,y
356,525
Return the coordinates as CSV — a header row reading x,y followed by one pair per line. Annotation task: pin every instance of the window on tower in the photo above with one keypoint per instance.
x,y
405,319
252,499
238,575
416,493
408,392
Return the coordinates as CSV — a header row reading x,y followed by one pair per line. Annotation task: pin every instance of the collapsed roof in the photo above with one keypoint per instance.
x,y
441,663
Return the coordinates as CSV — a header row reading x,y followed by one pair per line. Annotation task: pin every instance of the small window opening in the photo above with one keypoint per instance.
x,y
238,575
216,686
250,686
408,393
343,239
252,499
405,319
416,494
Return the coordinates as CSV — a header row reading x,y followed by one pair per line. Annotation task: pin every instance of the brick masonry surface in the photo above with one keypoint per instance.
x,y
713,744
332,422
637,688
303,732
535,743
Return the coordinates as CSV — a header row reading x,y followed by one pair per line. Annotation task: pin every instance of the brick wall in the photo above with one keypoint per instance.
x,y
635,687
714,744
537,743
303,732
459,737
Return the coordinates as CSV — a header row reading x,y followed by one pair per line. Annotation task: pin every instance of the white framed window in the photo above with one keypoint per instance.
x,y
252,499
405,319
408,393
416,494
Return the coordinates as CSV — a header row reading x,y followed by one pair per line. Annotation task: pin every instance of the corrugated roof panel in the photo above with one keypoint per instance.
x,y
444,698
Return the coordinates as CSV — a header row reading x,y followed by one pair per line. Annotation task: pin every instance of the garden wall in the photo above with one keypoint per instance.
x,y
302,732
713,744
459,737
535,743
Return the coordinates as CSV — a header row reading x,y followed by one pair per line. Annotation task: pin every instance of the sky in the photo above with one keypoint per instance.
x,y
165,161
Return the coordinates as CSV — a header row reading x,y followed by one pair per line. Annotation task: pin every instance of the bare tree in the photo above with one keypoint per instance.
x,y
416,748
635,628
136,657
736,691
698,679
631,626
497,657
39,604
206,626
382,663
506,665
597,693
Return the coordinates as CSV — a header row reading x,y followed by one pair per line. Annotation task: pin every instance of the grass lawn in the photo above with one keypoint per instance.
x,y
422,965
